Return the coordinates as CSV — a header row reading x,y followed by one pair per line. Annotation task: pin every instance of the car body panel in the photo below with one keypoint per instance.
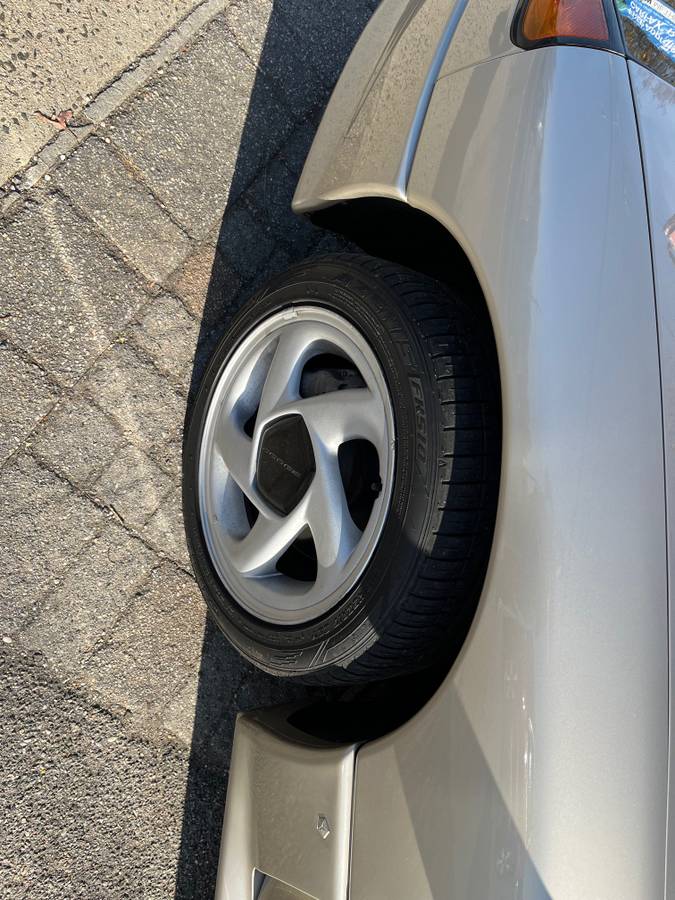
x,y
540,766
281,789
566,668
655,106
366,139
483,33
430,821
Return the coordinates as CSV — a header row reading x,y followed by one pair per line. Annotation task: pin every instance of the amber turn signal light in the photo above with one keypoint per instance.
x,y
560,20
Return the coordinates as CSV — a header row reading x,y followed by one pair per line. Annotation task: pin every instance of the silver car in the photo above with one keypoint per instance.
x,y
436,478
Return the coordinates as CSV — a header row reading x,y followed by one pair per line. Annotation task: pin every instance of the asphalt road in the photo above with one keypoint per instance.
x,y
125,249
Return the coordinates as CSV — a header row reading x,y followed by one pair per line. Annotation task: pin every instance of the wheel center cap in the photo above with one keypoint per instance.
x,y
285,463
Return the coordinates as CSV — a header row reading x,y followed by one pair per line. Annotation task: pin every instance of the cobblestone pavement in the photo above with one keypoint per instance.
x,y
123,257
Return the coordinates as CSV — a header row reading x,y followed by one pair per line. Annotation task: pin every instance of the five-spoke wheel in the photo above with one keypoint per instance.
x,y
301,392
340,471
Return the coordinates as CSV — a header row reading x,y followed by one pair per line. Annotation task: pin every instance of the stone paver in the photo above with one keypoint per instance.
x,y
168,334
206,704
295,150
270,196
68,296
245,244
276,50
184,133
154,647
28,395
77,440
57,54
97,181
326,32
147,409
122,271
90,598
165,529
206,285
44,525
133,486
170,455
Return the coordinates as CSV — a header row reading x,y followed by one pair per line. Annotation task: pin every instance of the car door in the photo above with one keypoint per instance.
x,y
654,96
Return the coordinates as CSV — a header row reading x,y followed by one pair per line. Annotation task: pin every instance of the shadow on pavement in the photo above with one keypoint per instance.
x,y
299,57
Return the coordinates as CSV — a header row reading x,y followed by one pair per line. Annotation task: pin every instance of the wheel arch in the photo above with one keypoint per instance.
x,y
394,230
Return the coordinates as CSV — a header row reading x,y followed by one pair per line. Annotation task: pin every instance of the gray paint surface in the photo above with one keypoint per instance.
x,y
483,33
565,670
288,815
531,743
364,135
655,106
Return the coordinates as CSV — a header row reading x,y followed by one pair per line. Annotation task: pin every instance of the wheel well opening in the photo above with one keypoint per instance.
x,y
399,233
391,230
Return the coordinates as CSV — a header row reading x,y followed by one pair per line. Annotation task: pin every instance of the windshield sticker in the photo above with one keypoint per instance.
x,y
656,20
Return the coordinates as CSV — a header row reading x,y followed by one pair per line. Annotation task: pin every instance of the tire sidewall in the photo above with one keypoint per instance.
x,y
347,630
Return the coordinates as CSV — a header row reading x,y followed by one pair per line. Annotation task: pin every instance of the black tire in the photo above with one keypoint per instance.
x,y
417,596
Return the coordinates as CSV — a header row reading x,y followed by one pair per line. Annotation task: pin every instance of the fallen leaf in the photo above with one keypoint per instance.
x,y
60,121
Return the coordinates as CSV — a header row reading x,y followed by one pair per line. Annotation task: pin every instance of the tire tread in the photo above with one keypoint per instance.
x,y
454,342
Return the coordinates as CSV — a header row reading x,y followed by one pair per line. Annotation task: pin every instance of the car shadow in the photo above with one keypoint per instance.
x,y
298,57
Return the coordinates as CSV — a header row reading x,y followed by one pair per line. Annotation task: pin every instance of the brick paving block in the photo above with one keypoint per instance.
x,y
166,530
208,731
169,456
200,131
147,409
207,728
207,344
133,485
95,590
178,717
154,647
206,284
169,335
95,179
43,526
281,259
67,297
244,243
77,440
263,33
296,149
327,32
28,394
271,195
203,713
